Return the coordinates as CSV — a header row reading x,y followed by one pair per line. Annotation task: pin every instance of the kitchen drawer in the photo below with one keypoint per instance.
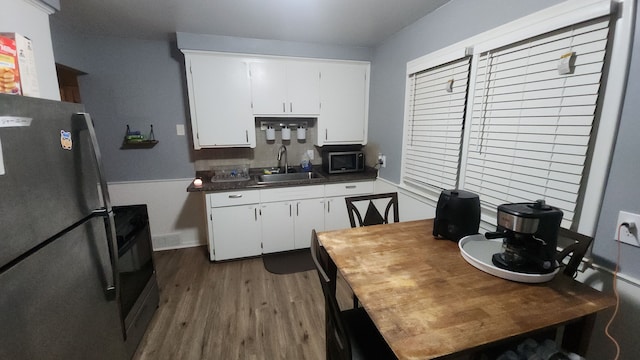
x,y
291,193
349,189
232,198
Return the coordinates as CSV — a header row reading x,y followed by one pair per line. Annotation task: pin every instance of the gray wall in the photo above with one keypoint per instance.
x,y
136,83
140,83
461,19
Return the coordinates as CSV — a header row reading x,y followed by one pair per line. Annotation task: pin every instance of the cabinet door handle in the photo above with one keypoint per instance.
x,y
255,213
283,108
235,196
246,135
290,107
326,134
329,206
297,209
290,211
350,187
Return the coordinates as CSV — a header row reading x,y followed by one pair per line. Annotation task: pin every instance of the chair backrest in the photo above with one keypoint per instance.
x,y
577,249
372,215
338,343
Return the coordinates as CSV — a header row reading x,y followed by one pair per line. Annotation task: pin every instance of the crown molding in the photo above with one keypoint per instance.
x,y
46,7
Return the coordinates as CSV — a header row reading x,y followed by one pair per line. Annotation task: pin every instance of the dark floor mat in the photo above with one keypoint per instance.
x,y
288,262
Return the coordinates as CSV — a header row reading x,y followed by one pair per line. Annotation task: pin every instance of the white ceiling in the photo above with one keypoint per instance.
x,y
336,22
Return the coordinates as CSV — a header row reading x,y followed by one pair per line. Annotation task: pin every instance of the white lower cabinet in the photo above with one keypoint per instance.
x,y
239,232
277,227
288,216
336,216
234,225
309,215
252,222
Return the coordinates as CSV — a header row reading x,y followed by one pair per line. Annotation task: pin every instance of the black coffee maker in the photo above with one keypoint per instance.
x,y
530,233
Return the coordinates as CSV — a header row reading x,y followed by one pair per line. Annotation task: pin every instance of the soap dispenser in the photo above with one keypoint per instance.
x,y
305,164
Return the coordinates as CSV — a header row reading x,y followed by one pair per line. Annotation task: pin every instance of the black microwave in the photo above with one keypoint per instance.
x,y
338,162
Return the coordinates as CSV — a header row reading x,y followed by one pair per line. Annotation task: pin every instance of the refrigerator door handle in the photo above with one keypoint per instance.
x,y
87,124
112,289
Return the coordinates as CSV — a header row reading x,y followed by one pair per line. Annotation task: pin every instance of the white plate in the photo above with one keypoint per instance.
x,y
477,250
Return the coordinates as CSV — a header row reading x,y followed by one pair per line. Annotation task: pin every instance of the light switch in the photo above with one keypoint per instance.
x,y
180,129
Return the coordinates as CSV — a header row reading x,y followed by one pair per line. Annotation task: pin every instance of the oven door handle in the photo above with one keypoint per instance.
x,y
111,290
111,286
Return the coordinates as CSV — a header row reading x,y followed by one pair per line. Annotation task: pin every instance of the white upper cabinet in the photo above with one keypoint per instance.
x,y
344,101
220,100
285,87
226,92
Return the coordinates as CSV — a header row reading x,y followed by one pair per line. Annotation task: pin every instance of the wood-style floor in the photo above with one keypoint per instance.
x,y
234,310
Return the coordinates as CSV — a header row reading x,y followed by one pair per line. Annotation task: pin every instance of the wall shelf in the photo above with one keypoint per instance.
x,y
133,140
145,144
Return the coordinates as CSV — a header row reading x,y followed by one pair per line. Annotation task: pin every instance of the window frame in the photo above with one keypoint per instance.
x,y
550,19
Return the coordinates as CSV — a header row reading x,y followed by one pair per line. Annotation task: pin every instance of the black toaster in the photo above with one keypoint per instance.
x,y
457,214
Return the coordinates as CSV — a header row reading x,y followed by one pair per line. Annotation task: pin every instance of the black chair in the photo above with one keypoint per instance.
x,y
576,249
372,215
349,334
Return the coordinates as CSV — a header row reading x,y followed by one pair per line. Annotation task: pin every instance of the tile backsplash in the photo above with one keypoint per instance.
x,y
265,153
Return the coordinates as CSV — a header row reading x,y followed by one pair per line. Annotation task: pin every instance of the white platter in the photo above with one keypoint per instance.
x,y
477,250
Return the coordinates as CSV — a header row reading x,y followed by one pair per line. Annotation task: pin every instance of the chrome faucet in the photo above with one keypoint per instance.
x,y
281,150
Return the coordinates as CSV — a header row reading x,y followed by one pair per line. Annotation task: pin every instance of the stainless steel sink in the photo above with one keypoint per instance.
x,y
276,178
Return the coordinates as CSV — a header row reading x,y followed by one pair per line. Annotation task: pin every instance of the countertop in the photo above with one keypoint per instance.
x,y
252,183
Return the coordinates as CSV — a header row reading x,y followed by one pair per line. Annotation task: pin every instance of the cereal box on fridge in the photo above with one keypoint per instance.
x,y
25,65
9,73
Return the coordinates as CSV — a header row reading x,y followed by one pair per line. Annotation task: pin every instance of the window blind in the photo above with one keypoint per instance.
x,y
531,126
435,116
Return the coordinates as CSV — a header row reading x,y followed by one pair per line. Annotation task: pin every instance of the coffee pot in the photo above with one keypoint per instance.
x,y
530,237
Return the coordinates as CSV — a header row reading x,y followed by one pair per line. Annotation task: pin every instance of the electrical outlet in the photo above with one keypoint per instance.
x,y
310,154
627,235
382,160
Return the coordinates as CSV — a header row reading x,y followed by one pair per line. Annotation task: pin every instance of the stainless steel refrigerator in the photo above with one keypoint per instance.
x,y
58,258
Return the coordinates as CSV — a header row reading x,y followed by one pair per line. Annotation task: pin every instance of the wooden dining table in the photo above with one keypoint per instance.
x,y
428,302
